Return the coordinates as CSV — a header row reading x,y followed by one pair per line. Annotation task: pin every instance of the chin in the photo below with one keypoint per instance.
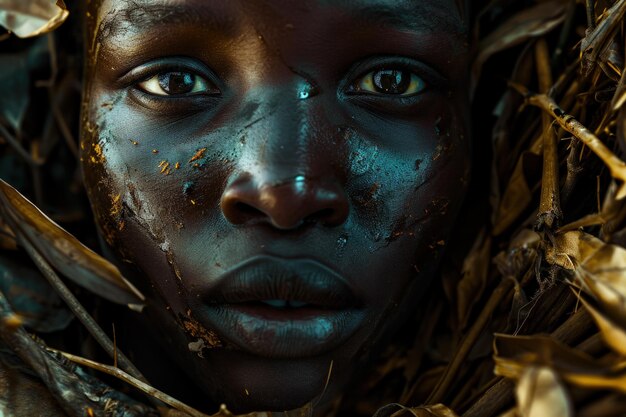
x,y
248,383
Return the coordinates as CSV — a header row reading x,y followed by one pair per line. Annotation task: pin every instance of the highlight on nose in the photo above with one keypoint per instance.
x,y
286,204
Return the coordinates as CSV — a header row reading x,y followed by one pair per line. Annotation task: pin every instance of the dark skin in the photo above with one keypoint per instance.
x,y
310,155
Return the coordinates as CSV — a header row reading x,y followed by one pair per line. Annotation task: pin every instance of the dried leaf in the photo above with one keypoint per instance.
x,y
8,241
398,410
616,166
540,393
612,334
64,251
599,268
74,389
32,17
129,379
517,194
514,354
529,23
596,42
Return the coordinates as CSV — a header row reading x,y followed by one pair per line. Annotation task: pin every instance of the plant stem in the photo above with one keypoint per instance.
x,y
616,166
549,207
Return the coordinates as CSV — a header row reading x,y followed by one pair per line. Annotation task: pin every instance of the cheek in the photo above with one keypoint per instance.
x,y
146,171
410,175
405,201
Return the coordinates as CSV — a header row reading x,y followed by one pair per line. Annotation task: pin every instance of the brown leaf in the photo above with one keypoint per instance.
x,y
7,237
517,194
540,393
32,17
599,269
64,251
598,40
529,23
514,354
612,334
398,410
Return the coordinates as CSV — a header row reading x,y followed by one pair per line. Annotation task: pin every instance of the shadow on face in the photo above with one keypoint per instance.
x,y
279,177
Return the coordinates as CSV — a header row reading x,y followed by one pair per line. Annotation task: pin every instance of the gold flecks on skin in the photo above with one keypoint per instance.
x,y
98,156
165,167
116,205
198,155
196,330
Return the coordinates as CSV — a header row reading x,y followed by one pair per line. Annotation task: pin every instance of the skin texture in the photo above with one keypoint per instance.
x,y
283,153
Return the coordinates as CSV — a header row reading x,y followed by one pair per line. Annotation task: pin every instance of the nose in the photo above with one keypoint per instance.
x,y
286,204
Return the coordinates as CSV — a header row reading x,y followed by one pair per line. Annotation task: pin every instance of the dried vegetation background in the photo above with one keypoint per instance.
x,y
529,318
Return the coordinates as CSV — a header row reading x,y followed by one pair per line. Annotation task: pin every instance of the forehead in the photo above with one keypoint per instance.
x,y
445,16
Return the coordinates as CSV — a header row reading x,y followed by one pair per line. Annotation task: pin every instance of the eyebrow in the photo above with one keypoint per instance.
x,y
426,16
418,15
146,16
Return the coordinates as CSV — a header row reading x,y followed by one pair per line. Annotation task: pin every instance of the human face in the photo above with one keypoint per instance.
x,y
280,175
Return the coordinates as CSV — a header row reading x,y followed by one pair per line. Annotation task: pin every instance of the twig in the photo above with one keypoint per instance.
x,y
467,343
593,219
114,346
595,42
616,166
129,379
501,393
549,207
80,312
574,170
18,147
591,14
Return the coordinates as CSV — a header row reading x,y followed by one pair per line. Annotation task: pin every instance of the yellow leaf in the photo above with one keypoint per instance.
x,y
64,251
27,18
613,335
515,354
540,393
398,410
599,268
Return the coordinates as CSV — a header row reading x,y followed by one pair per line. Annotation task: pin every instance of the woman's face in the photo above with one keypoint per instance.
x,y
280,175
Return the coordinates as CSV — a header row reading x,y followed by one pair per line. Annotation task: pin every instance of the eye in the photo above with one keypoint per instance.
x,y
389,81
177,83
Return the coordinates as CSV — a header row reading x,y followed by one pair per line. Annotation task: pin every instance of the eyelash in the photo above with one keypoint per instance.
x,y
145,79
154,83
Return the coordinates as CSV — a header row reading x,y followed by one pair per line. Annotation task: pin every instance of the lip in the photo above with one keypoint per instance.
x,y
327,314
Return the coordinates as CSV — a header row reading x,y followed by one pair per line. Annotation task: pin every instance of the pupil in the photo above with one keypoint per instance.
x,y
391,81
176,82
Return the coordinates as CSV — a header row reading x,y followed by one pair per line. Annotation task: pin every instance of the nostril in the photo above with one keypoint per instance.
x,y
321,216
285,205
242,213
247,209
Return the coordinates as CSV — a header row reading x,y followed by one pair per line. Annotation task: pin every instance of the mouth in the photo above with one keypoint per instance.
x,y
282,308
